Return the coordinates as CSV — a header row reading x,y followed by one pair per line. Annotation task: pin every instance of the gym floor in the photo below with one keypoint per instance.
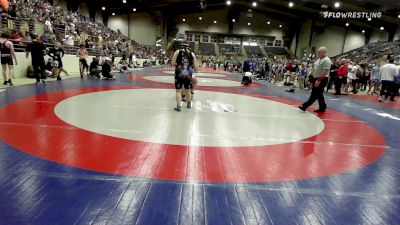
x,y
89,151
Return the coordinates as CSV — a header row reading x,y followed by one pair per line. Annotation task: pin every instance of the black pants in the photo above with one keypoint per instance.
x,y
330,82
338,85
387,88
317,93
39,70
395,90
364,82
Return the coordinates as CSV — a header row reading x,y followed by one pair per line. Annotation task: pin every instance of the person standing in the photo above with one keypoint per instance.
x,y
82,53
57,53
375,79
352,76
319,79
7,56
38,50
302,75
184,61
366,76
266,70
396,85
341,76
332,75
388,72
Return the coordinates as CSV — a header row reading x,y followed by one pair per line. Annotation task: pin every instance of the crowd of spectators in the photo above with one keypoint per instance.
x,y
346,75
72,29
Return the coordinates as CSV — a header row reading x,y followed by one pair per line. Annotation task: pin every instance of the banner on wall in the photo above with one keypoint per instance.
x,y
10,24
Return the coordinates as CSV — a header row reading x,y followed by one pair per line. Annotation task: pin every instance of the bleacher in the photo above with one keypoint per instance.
x,y
373,51
206,49
192,45
229,49
254,51
37,27
273,51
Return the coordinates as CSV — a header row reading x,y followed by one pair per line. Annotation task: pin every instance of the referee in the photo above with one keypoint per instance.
x,y
319,79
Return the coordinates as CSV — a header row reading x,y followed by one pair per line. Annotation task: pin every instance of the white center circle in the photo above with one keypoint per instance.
x,y
201,81
216,119
199,74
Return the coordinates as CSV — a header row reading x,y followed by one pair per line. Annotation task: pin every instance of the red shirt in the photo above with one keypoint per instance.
x,y
342,71
15,37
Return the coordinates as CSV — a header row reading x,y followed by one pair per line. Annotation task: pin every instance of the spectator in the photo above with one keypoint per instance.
x,y
375,79
341,76
332,74
388,72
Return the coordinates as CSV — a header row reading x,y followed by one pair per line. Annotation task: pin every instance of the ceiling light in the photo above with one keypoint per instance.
x,y
228,2
183,19
291,4
123,1
363,31
337,4
369,19
113,14
347,24
103,8
382,28
280,26
200,18
233,20
254,4
134,9
398,16
268,22
215,21
249,23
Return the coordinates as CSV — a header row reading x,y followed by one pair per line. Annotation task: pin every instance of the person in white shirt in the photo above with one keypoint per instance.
x,y
69,40
352,77
48,25
388,72
319,79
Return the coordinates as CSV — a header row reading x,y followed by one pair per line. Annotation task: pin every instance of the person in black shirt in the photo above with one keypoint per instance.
x,y
185,63
332,74
38,50
266,70
93,68
57,53
106,69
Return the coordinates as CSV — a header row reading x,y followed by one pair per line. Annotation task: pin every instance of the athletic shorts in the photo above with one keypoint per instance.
x,y
375,81
84,62
181,82
7,60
